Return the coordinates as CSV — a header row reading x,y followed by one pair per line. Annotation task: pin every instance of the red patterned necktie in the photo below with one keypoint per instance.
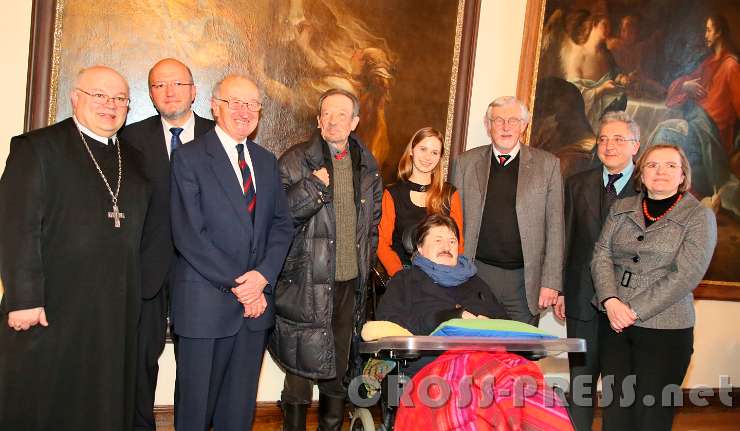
x,y
249,192
342,154
503,158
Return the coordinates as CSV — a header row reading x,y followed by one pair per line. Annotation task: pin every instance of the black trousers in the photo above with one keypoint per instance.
x,y
658,359
299,390
151,339
584,371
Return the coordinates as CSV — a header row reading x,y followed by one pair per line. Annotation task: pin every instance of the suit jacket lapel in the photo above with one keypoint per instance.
x,y
629,188
223,171
201,125
160,150
523,178
636,213
483,169
594,197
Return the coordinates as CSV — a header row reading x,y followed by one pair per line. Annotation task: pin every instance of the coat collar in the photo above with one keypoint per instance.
x,y
632,208
318,154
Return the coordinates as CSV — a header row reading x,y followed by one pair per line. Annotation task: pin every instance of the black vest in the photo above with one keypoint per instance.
x,y
499,243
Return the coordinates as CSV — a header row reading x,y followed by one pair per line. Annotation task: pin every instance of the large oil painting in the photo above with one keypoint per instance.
x,y
400,58
671,64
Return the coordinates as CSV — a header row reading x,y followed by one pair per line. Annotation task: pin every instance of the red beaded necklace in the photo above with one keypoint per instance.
x,y
654,219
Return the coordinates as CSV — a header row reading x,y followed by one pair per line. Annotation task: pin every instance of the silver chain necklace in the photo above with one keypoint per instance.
x,y
116,215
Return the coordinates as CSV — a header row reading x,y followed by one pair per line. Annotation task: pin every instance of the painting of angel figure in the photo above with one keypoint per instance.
x,y
671,64
397,57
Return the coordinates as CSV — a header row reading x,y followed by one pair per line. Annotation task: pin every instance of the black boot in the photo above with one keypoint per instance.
x,y
294,416
331,413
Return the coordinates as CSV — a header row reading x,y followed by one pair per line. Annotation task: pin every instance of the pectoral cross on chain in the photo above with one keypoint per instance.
x,y
116,215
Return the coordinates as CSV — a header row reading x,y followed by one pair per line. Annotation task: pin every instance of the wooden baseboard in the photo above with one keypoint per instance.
x,y
270,410
264,411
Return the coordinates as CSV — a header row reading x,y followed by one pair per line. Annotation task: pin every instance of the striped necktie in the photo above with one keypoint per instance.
x,y
249,192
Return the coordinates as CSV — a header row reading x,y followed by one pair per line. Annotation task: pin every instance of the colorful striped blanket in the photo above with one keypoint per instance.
x,y
497,391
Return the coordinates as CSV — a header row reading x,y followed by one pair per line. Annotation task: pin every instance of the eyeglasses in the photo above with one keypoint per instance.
x,y
654,166
102,99
177,85
617,139
238,105
512,122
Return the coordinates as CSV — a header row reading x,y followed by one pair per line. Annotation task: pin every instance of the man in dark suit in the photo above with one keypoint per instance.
x,y
588,197
172,91
73,200
232,228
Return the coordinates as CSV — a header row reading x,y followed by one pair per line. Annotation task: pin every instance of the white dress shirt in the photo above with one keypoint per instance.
x,y
230,147
514,151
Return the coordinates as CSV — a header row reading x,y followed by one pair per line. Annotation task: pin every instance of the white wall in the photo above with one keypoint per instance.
x,y
15,33
717,340
496,60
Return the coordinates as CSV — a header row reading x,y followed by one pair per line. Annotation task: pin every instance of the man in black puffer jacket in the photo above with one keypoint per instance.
x,y
334,192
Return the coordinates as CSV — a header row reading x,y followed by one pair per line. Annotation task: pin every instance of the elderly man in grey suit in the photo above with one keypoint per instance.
x,y
512,198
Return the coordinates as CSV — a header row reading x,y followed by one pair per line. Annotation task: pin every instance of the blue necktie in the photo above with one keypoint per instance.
x,y
249,193
175,141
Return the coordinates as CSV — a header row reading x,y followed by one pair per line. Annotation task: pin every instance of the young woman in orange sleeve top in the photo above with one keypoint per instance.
x,y
420,190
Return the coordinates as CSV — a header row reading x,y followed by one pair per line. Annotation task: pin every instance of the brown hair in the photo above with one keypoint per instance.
x,y
345,93
439,194
579,23
685,166
723,28
432,221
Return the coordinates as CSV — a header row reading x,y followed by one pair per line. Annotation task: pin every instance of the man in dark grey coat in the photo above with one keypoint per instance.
x,y
588,197
334,193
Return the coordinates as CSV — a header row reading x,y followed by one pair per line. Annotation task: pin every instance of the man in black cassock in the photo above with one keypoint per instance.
x,y
172,91
73,200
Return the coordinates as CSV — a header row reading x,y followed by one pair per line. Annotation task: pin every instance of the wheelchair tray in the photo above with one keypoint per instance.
x,y
415,344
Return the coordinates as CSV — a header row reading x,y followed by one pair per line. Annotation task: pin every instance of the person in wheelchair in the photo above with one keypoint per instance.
x,y
440,284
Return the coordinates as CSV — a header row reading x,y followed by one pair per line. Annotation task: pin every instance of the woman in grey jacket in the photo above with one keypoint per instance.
x,y
654,250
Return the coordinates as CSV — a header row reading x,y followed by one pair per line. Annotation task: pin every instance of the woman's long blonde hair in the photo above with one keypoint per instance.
x,y
438,195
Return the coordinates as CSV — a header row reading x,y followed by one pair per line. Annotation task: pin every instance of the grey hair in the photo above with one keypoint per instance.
x,y
84,70
621,117
352,97
216,91
217,87
506,101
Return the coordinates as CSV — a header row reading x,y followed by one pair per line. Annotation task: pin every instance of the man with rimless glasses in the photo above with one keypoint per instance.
x,y
73,200
588,197
172,91
512,200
